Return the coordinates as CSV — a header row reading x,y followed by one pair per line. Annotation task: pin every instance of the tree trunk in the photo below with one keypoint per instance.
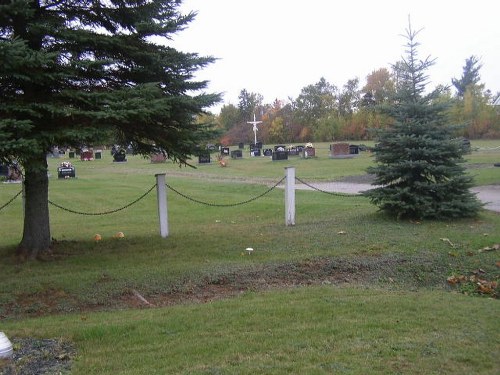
x,y
36,232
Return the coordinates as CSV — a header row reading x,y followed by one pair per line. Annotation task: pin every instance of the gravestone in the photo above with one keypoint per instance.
x,y
204,158
308,152
120,156
268,152
4,170
66,170
224,151
211,147
71,154
158,158
236,154
87,155
293,151
98,154
255,150
354,149
241,145
340,150
280,155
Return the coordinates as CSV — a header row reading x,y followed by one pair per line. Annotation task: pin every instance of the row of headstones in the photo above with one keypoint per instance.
x,y
281,152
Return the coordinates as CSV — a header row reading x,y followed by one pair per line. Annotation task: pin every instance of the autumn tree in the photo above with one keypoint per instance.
x,y
349,98
472,106
418,172
315,101
73,70
379,86
229,116
248,103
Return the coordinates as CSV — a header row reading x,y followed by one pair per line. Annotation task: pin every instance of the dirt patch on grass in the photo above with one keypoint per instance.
x,y
390,270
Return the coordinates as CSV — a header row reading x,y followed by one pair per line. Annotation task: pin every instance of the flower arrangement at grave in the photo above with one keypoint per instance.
x,y
309,145
66,164
221,161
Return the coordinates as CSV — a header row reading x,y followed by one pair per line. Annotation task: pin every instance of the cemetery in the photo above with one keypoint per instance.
x,y
143,233
338,245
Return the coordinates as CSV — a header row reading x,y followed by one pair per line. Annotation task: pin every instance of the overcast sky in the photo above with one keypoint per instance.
x,y
277,47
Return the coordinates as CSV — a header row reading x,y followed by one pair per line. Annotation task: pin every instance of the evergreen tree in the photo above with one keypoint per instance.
x,y
419,169
74,70
470,77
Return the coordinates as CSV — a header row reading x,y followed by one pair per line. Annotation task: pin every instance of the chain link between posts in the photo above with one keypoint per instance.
x,y
188,198
104,212
10,200
346,195
229,204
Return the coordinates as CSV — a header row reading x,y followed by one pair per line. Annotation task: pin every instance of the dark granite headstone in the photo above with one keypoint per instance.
x,y
268,152
353,149
236,154
280,155
204,158
120,156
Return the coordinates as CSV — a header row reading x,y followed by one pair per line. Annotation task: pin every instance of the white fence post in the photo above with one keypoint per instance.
x,y
290,196
161,193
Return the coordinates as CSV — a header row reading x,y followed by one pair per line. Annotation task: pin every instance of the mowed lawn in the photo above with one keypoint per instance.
x,y
393,311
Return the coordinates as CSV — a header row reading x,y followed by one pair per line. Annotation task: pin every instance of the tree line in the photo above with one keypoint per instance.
x,y
324,112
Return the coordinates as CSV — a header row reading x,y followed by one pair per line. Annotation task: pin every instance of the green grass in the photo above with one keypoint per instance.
x,y
401,319
314,330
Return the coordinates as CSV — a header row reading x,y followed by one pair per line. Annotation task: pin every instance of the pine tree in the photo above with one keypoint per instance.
x,y
419,171
73,71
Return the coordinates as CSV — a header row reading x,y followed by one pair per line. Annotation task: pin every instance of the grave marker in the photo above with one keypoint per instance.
x,y
340,151
236,154
268,152
120,156
204,158
66,170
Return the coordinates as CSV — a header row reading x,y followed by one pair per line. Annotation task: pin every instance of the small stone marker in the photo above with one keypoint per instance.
x,y
353,149
120,156
236,154
204,158
87,154
66,170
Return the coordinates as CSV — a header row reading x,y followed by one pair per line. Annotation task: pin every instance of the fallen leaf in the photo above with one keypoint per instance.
x,y
342,232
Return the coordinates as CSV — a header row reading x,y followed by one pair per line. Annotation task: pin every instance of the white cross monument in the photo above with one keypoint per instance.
x,y
254,123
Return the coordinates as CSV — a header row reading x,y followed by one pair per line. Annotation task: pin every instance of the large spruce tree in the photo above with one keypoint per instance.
x,y
419,172
74,70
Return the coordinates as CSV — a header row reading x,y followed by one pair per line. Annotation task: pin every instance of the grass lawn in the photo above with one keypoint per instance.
x,y
346,290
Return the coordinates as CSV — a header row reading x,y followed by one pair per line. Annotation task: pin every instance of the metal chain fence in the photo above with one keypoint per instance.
x,y
347,195
104,212
10,200
229,204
